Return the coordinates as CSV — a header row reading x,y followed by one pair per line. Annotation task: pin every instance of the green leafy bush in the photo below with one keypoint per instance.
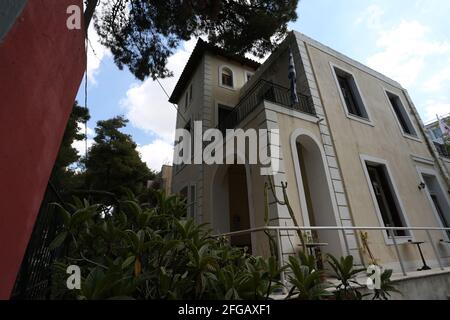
x,y
142,252
133,250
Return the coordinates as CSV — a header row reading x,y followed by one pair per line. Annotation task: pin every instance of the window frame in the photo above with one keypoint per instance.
x,y
349,115
216,113
415,136
423,171
247,74
395,194
233,78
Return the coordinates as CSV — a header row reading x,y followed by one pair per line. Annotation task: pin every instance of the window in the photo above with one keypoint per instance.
x,y
226,77
437,133
248,75
184,196
438,199
223,113
401,114
350,94
188,127
385,197
192,202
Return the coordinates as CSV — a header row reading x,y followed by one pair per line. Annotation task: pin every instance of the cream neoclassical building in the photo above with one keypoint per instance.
x,y
353,151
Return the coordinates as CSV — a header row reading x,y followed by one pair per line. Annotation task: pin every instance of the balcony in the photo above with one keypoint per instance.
x,y
442,150
265,90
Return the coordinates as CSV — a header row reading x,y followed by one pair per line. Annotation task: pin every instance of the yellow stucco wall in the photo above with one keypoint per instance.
x,y
383,140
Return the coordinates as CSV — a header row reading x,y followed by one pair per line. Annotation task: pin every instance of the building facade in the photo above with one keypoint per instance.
x,y
39,84
440,142
353,152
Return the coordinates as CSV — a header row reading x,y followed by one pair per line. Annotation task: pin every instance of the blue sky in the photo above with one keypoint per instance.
x,y
407,40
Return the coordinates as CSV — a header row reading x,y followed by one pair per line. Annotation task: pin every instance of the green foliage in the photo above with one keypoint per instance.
x,y
136,251
63,177
133,250
347,289
113,163
143,34
307,283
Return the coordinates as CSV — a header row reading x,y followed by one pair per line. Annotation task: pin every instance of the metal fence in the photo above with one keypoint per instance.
x,y
265,90
389,230
34,279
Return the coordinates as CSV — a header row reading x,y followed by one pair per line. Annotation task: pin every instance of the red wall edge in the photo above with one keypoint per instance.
x,y
41,66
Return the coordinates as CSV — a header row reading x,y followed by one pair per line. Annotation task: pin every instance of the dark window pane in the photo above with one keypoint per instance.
x,y
385,198
227,77
348,95
400,115
224,112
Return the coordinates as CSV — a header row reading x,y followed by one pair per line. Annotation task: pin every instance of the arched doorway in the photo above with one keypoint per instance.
x,y
315,191
230,203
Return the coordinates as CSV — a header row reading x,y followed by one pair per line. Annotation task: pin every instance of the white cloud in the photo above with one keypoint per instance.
x,y
80,146
437,81
433,108
96,53
405,50
146,104
156,154
371,16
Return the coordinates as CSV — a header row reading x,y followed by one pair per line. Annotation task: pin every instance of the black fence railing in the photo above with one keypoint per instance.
x,y
442,150
34,279
265,90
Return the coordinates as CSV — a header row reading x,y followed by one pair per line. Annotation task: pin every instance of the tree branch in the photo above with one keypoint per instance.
x,y
89,13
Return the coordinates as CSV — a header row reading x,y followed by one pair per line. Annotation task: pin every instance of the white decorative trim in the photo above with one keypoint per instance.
x,y
388,240
406,135
422,159
367,121
246,74
298,174
293,113
221,67
251,209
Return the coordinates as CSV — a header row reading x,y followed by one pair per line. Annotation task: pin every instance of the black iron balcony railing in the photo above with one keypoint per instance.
x,y
265,90
442,150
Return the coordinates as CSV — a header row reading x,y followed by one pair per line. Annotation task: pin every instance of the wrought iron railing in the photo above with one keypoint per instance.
x,y
343,230
265,90
442,150
34,279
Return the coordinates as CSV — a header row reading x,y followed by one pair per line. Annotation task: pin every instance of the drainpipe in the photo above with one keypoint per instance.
x,y
428,141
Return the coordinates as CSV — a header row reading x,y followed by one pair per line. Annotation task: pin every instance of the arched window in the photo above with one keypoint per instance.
x,y
226,77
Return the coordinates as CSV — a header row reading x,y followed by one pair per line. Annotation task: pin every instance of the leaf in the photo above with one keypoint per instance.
x,y
63,213
128,261
58,241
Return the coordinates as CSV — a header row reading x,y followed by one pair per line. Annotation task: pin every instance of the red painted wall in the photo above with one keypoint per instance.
x,y
41,67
